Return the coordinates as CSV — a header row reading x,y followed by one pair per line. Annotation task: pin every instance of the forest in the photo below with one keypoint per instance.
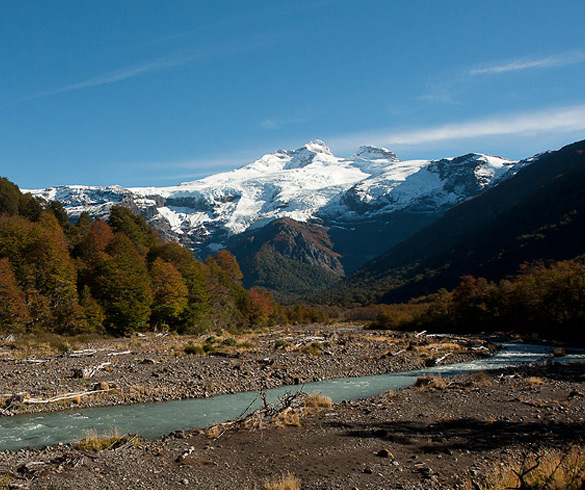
x,y
543,299
116,277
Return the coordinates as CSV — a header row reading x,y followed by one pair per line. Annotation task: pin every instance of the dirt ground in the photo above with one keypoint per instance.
x,y
453,436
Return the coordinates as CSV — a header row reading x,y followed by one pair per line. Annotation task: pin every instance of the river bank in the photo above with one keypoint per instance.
x,y
449,435
151,368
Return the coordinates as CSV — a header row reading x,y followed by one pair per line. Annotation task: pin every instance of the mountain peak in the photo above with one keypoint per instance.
x,y
317,146
368,152
305,155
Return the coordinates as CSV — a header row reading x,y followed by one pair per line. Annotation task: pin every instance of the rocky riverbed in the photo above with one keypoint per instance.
x,y
456,433
161,368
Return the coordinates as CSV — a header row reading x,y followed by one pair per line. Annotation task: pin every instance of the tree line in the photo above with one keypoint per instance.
x,y
116,276
543,299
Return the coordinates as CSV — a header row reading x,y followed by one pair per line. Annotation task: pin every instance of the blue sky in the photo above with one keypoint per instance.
x,y
156,93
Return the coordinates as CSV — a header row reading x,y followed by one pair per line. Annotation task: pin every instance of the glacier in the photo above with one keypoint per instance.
x,y
309,184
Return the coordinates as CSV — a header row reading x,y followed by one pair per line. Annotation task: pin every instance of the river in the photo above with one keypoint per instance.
x,y
153,420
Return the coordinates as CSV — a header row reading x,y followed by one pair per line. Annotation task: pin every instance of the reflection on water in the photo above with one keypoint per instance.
x,y
156,419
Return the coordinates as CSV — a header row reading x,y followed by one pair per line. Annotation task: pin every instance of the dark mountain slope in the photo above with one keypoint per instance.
x,y
537,214
287,257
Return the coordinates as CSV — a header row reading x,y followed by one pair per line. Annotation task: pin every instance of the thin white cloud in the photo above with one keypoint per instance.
x,y
277,123
554,61
159,64
559,120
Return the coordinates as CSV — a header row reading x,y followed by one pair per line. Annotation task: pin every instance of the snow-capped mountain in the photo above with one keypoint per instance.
x,y
308,184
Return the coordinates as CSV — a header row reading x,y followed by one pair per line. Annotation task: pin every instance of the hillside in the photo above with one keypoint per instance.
x,y
538,214
287,257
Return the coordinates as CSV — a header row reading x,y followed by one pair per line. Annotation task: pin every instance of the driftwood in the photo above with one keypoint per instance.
x,y
419,334
89,372
67,396
183,456
82,353
440,359
124,352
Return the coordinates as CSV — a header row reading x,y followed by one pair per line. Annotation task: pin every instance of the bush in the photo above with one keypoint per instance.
x,y
230,341
93,442
194,350
317,401
208,348
546,469
430,383
280,343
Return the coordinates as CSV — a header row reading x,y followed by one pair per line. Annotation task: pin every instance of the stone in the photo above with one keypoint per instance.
x,y
384,453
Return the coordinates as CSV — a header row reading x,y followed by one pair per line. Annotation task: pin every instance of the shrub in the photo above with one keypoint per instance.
x,y
546,469
430,383
317,400
230,341
314,349
280,343
194,350
208,348
93,442
282,482
534,381
480,379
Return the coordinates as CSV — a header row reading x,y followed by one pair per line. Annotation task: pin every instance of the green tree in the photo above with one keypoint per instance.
x,y
135,227
92,313
9,197
122,286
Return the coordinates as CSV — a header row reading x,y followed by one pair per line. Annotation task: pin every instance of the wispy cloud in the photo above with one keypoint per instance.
x,y
559,120
277,123
158,64
554,61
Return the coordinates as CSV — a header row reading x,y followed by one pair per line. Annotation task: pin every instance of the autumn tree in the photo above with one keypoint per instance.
x,y
14,313
227,262
258,306
193,274
170,294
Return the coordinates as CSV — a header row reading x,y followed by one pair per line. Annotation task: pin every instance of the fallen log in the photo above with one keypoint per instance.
x,y
67,396
87,373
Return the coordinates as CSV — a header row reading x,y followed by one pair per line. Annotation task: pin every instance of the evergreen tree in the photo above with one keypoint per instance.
x,y
135,227
122,286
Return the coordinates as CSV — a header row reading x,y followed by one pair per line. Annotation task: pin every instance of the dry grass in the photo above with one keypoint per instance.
x,y
214,431
316,401
534,381
94,442
288,417
430,383
547,469
479,379
288,481
5,480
